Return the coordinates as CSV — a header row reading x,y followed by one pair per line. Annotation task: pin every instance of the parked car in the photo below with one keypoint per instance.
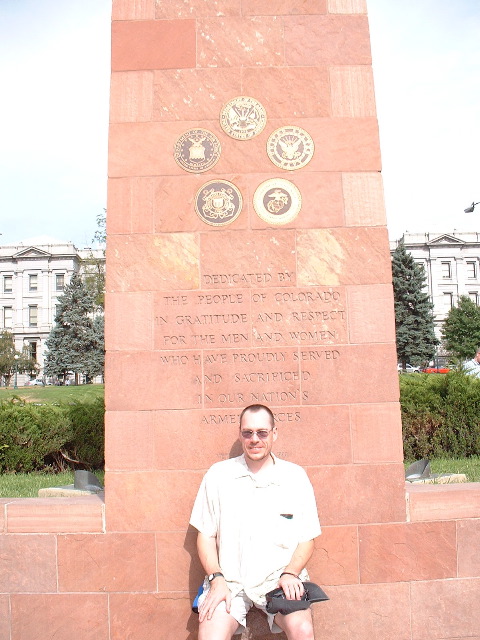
x,y
36,383
436,370
409,369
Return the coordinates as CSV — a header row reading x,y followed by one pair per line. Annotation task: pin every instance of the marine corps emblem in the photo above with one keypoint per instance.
x,y
243,118
290,148
277,201
197,150
218,202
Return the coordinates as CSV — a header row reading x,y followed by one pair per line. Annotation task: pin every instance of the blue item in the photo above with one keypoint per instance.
x,y
195,602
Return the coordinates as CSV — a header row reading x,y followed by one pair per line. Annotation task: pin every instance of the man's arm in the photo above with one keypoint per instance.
x,y
292,586
208,555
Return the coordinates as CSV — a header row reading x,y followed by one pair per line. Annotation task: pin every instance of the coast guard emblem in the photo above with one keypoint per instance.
x,y
218,202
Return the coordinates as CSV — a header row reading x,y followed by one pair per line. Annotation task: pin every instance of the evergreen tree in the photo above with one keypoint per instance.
x,y
461,329
73,343
416,340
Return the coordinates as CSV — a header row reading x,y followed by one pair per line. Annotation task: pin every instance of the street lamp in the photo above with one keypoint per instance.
x,y
16,369
471,207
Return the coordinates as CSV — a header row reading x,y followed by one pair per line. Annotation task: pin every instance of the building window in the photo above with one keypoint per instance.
x,y
7,317
471,270
447,301
33,282
32,315
473,295
32,350
446,270
7,284
59,282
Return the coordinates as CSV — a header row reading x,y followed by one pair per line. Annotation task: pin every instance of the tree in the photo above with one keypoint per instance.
x,y
416,340
74,343
461,329
94,266
12,361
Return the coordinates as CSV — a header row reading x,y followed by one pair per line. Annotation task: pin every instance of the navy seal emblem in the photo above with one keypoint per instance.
x,y
290,148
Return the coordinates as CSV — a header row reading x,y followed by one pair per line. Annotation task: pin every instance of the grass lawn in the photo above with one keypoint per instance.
x,y
469,466
26,485
55,395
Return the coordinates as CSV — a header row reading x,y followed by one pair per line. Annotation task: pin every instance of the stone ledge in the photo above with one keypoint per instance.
x,y
442,502
82,514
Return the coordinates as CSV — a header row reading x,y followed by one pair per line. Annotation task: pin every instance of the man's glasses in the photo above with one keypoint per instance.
x,y
261,433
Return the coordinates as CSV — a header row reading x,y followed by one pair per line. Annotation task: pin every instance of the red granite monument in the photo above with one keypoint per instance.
x,y
247,261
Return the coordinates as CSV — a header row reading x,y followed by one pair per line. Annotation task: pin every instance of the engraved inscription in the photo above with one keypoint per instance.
x,y
280,317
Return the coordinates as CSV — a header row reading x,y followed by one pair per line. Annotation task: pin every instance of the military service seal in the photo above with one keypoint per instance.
x,y
277,201
290,148
218,202
243,118
197,150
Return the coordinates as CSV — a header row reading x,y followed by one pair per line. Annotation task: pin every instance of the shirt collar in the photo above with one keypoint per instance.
x,y
270,477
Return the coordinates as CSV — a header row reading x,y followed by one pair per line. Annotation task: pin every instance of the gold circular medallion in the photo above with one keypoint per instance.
x,y
218,202
277,201
243,118
290,148
197,150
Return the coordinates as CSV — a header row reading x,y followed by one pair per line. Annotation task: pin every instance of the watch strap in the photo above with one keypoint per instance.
x,y
217,574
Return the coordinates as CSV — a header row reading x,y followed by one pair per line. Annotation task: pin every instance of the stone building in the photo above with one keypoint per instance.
x,y
451,263
33,274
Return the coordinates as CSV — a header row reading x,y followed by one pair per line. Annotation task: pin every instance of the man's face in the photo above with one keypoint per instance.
x,y
257,447
477,356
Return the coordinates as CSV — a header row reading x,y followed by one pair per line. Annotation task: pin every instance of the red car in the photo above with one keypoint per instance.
x,y
435,370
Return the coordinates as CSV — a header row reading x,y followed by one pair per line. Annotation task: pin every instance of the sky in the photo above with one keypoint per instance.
x,y
54,72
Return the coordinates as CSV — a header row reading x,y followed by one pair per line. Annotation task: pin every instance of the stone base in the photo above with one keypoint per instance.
x,y
441,478
68,491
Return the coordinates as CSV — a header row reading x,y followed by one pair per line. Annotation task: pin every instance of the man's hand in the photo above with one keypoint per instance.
x,y
217,593
292,587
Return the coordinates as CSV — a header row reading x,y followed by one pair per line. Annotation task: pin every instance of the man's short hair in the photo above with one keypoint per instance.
x,y
254,408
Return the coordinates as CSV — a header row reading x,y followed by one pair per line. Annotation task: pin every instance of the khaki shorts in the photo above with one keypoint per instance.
x,y
239,607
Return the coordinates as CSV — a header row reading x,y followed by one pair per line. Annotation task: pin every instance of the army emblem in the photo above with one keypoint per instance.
x,y
218,202
277,201
290,148
243,118
197,150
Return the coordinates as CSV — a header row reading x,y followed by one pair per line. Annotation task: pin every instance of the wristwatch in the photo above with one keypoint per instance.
x,y
212,576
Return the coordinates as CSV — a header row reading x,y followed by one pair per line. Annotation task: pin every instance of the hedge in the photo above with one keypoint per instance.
x,y
440,415
440,418
36,437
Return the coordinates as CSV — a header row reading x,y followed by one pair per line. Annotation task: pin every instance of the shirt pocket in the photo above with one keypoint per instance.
x,y
285,528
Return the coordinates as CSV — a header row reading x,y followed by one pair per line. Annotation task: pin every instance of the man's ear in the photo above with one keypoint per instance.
x,y
275,433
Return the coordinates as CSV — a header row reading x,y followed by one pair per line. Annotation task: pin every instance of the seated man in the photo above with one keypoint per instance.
x,y
256,518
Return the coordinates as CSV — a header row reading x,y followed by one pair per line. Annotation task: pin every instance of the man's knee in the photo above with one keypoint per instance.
x,y
221,626
297,626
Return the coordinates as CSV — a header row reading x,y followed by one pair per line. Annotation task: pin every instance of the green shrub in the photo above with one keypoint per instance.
x,y
29,434
36,437
87,445
440,415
